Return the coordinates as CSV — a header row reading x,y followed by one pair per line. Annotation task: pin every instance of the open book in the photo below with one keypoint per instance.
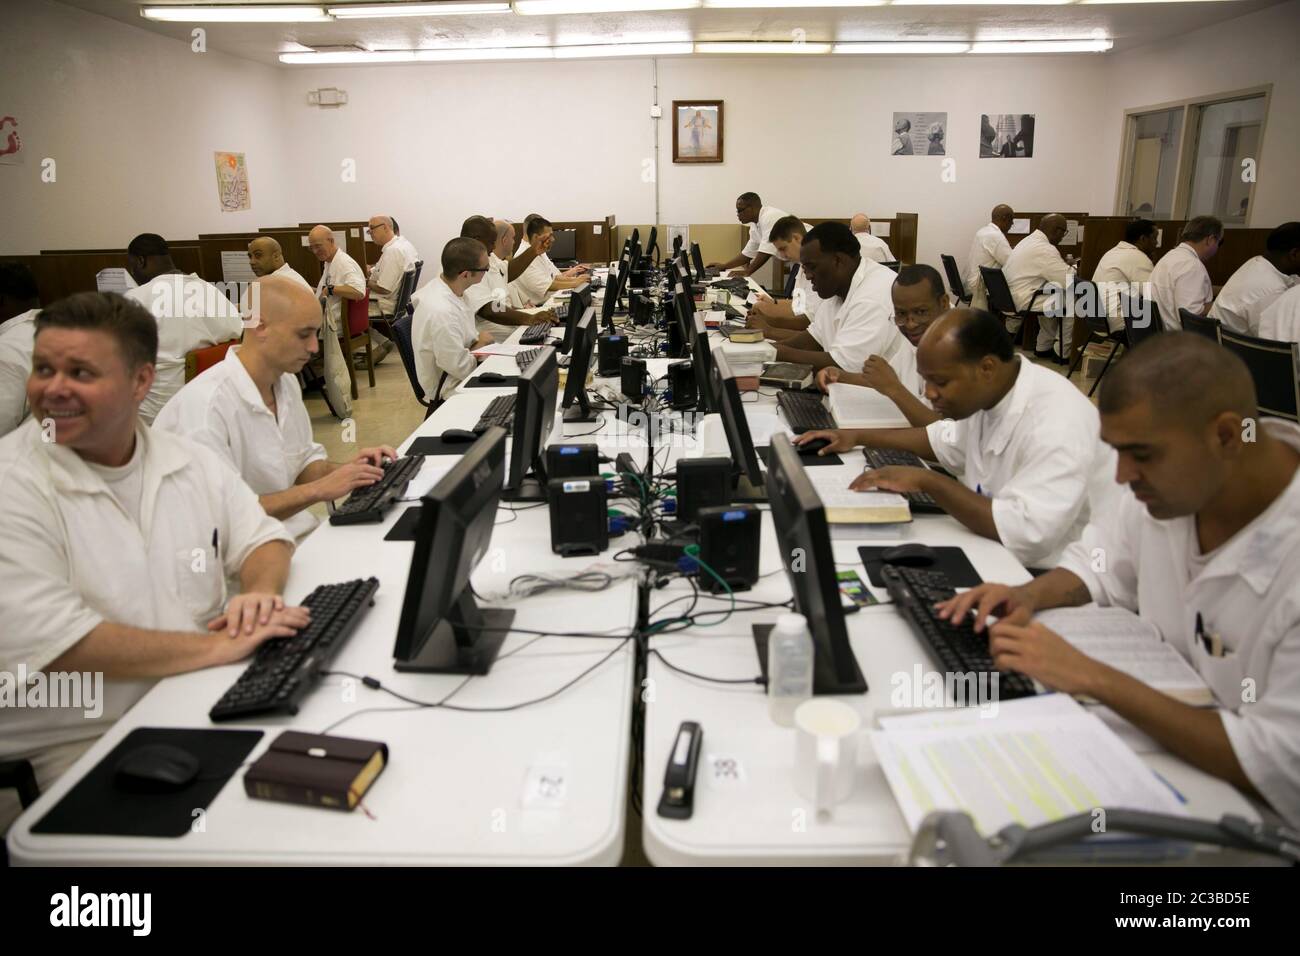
x,y
857,407
856,507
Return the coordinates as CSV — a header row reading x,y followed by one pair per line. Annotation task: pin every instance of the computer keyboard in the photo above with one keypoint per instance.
x,y
535,334
371,503
500,412
804,411
285,669
918,501
526,358
956,647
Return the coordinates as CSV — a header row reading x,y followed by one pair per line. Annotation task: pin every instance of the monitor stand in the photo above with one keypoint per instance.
x,y
575,414
824,680
748,493
465,642
530,489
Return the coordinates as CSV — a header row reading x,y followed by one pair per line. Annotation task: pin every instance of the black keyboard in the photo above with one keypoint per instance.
x,y
500,412
285,669
956,647
535,334
371,503
526,358
804,411
918,501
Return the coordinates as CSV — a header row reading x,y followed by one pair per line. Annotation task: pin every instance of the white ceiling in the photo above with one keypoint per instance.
x,y
1129,25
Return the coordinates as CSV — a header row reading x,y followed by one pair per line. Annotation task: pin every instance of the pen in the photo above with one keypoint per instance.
x,y
1173,789
216,547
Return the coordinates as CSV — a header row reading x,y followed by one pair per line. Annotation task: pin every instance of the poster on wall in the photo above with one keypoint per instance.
x,y
697,131
919,134
232,182
11,146
1006,135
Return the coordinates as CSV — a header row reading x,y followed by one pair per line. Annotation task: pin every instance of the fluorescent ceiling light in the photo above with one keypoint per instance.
x,y
622,49
978,3
902,46
535,8
357,56
201,14
377,10
486,53
760,47
1042,46
755,4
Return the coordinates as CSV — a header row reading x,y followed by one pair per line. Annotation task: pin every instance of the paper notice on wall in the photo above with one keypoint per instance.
x,y
1160,237
235,267
1019,227
114,280
674,232
356,233
597,229
340,238
1072,233
880,229
232,182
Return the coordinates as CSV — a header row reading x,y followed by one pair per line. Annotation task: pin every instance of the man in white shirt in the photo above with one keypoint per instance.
x,y
796,312
1259,281
489,300
396,257
1281,320
872,248
443,336
528,251
540,277
852,321
1023,439
341,278
989,248
1125,268
249,410
1180,279
19,304
191,314
1035,264
759,249
919,299
1204,544
266,258
116,541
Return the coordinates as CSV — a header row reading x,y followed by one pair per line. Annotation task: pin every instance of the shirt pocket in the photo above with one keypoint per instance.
x,y
200,583
1224,675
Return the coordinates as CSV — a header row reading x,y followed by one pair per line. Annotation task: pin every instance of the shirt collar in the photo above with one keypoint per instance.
x,y
1001,420
245,387
69,473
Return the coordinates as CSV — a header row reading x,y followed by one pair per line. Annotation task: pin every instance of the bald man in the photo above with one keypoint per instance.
x,y
249,410
489,300
341,279
1034,264
1203,541
1022,438
989,248
266,258
872,248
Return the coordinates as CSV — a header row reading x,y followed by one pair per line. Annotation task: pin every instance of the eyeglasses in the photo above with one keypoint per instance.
x,y
484,269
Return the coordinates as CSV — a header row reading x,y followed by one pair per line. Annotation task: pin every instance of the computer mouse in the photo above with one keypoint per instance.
x,y
454,435
910,556
812,447
491,378
156,768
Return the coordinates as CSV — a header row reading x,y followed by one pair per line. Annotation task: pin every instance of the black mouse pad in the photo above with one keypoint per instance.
x,y
404,527
476,382
433,445
951,561
809,461
98,806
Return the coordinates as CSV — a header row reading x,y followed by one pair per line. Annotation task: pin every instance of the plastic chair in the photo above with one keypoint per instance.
x,y
1200,324
200,360
1096,328
355,336
1141,319
405,289
1002,303
1275,367
402,339
955,285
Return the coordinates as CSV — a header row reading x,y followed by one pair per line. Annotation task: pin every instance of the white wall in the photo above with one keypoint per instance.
x,y
131,120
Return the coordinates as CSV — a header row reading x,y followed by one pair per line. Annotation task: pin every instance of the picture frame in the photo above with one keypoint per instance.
x,y
697,131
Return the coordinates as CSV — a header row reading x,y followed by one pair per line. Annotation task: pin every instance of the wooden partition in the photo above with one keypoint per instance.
x,y
596,240
1037,217
1104,232
61,272
293,243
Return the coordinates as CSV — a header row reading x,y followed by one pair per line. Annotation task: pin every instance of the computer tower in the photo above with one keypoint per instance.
x,y
729,544
579,521
633,376
681,381
572,460
610,349
702,483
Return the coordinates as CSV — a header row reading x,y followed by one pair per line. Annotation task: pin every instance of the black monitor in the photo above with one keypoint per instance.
x,y
564,248
697,260
534,418
749,486
652,245
614,290
635,258
579,303
442,629
577,407
800,521
702,361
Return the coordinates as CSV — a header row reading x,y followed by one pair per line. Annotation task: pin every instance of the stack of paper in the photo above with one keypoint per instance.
x,y
856,407
747,358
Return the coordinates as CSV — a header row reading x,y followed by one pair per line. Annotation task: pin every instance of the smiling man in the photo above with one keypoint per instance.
x,y
1202,541
116,541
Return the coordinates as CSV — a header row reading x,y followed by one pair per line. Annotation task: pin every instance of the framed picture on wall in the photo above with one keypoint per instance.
x,y
1007,136
697,131
919,134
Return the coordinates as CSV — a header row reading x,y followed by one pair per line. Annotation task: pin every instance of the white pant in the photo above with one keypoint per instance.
x,y
1047,328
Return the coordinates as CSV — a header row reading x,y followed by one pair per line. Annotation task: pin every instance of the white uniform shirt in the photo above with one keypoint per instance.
x,y
395,258
1247,293
859,325
493,289
532,286
1122,268
1179,280
1245,591
875,249
441,334
223,410
803,299
71,558
191,314
760,230
16,340
1280,321
1037,454
989,248
341,270
287,271
903,363
1033,263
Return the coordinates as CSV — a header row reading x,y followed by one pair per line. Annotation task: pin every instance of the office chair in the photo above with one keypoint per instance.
x,y
1141,319
1275,367
402,339
200,360
1002,303
19,775
1200,324
892,264
955,285
419,267
405,289
355,335
1096,328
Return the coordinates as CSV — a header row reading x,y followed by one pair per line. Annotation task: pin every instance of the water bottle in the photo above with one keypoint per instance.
x,y
789,667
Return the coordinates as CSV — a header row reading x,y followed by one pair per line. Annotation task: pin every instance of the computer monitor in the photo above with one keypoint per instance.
x,y
577,407
697,260
800,521
579,303
442,630
534,418
565,246
614,291
749,486
652,245
702,361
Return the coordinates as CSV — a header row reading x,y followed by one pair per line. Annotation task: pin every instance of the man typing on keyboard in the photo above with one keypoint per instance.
x,y
249,410
116,541
1201,538
1023,439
